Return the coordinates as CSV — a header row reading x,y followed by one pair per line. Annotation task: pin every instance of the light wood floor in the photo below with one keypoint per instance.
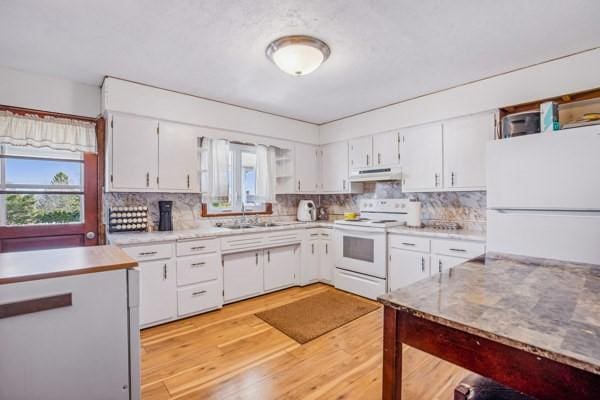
x,y
231,354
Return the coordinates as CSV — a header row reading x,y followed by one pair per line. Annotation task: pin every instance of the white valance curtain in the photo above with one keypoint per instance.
x,y
265,173
52,132
217,151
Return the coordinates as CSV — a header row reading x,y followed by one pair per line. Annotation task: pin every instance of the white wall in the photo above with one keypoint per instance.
x,y
572,74
134,98
42,92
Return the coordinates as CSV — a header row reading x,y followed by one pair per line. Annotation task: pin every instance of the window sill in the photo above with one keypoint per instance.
x,y
205,213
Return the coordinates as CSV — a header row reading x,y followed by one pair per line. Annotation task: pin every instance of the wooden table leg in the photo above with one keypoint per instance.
x,y
392,356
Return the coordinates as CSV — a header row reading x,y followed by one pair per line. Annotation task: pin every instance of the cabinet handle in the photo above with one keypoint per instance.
x,y
197,264
256,258
452,179
440,266
367,159
165,272
147,253
197,247
312,248
326,248
461,250
408,244
201,292
344,184
298,184
378,158
188,181
147,179
436,179
269,256
422,264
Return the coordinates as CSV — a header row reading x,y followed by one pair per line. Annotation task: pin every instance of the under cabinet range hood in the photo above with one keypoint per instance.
x,y
376,174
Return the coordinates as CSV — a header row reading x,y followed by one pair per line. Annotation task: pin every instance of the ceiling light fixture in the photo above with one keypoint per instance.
x,y
298,55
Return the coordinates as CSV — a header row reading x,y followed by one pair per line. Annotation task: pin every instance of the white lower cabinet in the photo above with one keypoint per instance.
x,y
326,260
309,273
280,267
412,258
242,275
406,267
158,301
201,297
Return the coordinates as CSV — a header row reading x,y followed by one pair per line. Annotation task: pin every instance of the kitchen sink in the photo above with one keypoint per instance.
x,y
238,226
264,224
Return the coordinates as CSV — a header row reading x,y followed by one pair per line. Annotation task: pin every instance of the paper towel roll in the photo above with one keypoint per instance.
x,y
413,217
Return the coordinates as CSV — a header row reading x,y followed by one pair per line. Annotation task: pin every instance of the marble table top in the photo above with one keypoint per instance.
x,y
546,307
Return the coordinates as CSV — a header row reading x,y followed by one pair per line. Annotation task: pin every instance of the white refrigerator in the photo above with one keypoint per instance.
x,y
543,195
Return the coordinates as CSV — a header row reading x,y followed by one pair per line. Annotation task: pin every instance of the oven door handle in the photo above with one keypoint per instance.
x,y
360,229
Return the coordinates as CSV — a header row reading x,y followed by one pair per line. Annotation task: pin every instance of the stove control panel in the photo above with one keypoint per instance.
x,y
383,205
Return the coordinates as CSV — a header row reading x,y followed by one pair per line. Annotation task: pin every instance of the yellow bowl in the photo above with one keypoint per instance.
x,y
350,215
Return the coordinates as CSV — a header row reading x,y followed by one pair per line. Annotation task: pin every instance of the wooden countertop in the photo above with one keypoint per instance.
x,y
44,264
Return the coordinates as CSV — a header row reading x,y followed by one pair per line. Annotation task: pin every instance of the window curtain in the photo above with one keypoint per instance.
x,y
218,168
265,173
55,133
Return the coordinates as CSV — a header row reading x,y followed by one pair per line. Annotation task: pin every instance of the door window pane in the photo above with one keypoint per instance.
x,y
43,172
28,209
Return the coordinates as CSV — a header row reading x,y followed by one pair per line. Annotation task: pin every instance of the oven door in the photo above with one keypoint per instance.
x,y
361,249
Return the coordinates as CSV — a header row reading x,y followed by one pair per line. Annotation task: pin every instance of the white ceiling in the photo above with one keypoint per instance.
x,y
383,51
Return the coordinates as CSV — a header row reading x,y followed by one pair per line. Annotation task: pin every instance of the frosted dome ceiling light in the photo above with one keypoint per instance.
x,y
298,55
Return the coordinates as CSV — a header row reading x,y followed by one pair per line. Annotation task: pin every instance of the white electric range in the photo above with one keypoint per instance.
x,y
361,246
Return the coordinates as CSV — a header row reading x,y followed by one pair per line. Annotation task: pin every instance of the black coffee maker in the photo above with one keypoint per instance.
x,y
165,210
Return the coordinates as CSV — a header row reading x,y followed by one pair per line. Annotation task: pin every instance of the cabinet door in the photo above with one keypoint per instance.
x,y
309,269
178,163
421,158
406,267
465,141
385,149
280,267
242,275
443,263
134,152
361,152
307,164
326,260
334,167
158,297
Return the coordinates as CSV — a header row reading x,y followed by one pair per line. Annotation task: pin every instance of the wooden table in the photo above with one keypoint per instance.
x,y
530,324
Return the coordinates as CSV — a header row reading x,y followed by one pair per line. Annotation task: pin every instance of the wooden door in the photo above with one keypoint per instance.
x,y
134,153
385,149
421,158
178,162
38,222
465,141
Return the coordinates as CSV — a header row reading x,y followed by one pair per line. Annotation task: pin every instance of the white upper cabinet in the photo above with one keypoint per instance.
x,y
334,167
421,158
361,152
178,162
465,142
385,149
132,153
307,168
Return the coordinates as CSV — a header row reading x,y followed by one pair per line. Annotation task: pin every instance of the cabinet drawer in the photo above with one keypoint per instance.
x,y
197,298
457,248
190,247
284,237
326,233
241,242
409,242
195,269
313,233
150,251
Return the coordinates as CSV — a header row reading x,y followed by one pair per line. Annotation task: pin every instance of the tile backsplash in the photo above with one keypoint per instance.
x,y
467,208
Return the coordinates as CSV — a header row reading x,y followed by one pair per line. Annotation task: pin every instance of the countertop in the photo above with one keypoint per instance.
x,y
129,238
126,238
547,307
43,264
460,234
